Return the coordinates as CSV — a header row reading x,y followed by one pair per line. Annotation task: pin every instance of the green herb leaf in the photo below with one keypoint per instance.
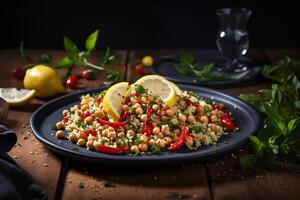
x,y
66,62
108,57
113,76
45,58
257,144
71,48
91,41
140,89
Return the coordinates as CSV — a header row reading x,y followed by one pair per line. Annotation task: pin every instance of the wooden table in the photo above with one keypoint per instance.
x,y
63,178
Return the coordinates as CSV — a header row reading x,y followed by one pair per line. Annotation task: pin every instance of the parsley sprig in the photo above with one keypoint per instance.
x,y
279,135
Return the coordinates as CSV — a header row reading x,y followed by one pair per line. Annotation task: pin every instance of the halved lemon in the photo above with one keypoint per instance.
x,y
15,97
112,100
176,88
159,86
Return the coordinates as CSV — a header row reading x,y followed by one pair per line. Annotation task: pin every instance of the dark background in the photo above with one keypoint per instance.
x,y
150,24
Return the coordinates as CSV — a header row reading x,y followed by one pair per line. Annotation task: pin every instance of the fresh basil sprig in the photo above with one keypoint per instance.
x,y
76,57
280,133
187,66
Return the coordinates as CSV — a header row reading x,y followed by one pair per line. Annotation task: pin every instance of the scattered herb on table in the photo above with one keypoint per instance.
x,y
81,185
108,184
188,66
279,135
76,57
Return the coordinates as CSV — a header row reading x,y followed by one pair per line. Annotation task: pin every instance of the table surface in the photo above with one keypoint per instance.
x,y
220,178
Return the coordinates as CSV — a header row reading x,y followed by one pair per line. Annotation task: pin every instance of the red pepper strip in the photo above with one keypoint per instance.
x,y
148,112
85,114
87,132
147,129
181,140
99,100
107,149
112,124
227,121
66,120
124,114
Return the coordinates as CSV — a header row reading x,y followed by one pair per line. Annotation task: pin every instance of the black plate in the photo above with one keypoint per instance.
x,y
246,118
165,66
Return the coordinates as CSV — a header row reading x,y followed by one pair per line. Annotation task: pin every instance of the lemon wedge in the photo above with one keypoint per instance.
x,y
15,97
159,86
112,100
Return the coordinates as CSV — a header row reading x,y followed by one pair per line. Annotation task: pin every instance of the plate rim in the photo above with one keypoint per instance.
x,y
136,160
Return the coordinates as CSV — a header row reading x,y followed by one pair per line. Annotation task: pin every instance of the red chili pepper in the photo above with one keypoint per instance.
x,y
99,100
181,140
85,114
66,120
147,129
148,112
112,124
227,121
87,132
107,149
124,114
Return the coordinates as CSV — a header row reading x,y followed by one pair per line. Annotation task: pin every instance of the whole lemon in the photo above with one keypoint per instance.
x,y
44,80
147,61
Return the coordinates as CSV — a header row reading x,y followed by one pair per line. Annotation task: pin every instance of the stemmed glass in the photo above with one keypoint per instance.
x,y
232,39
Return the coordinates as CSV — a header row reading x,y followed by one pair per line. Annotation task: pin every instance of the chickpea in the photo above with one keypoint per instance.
x,y
82,135
161,112
214,127
151,98
151,142
100,114
168,140
177,132
143,147
182,103
161,143
155,107
112,134
174,121
130,133
191,118
144,117
124,107
134,149
139,111
91,137
90,144
65,113
169,112
73,137
78,119
104,133
60,134
121,129
182,117
144,100
204,119
156,131
81,142
96,144
160,135
89,120
137,105
121,134
214,118
144,138
191,109
165,129
85,100
59,125
84,107
111,129
133,92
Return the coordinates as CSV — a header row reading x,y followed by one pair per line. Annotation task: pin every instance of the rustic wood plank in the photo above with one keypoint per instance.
x,y
229,182
91,182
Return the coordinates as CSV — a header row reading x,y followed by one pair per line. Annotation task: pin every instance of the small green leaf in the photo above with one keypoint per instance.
x,y
247,161
257,144
45,58
91,41
140,89
71,48
66,62
108,57
292,124
113,76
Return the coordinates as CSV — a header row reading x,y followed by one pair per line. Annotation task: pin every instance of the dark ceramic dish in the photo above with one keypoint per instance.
x,y
165,66
246,118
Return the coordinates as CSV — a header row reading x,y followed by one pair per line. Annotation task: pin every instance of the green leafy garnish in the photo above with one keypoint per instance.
x,y
76,57
45,58
279,135
187,66
139,89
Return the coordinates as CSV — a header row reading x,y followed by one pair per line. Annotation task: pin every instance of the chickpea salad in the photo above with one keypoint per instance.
x,y
143,121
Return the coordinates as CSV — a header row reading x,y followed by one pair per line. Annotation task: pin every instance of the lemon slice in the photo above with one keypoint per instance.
x,y
112,100
159,86
176,88
15,97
